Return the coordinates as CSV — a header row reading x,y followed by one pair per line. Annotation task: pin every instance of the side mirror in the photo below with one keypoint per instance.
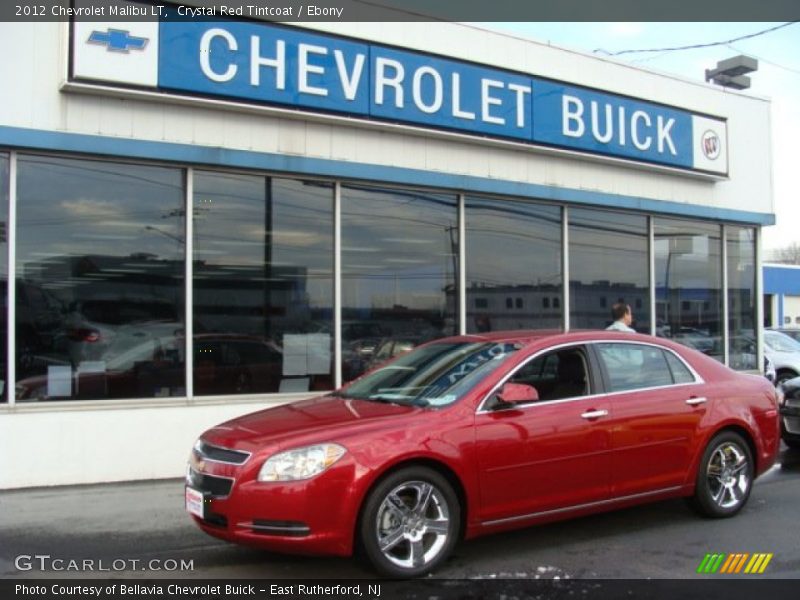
x,y
517,393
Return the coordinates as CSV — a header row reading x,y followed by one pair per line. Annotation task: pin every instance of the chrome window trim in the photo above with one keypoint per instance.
x,y
573,507
481,410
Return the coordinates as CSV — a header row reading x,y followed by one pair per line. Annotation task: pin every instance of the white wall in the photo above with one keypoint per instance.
x,y
99,442
791,309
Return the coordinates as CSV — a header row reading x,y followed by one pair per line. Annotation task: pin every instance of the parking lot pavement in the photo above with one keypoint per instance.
x,y
142,528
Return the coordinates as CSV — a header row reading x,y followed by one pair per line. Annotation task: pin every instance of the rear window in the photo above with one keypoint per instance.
x,y
637,366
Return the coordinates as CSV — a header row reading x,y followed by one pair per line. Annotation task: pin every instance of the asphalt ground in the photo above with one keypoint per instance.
x,y
136,523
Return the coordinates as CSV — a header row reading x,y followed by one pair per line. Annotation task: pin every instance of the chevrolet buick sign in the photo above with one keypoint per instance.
x,y
281,66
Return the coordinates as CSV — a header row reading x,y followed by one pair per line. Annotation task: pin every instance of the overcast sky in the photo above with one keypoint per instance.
x,y
777,78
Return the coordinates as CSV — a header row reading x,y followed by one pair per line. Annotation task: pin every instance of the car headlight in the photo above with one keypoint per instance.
x,y
300,463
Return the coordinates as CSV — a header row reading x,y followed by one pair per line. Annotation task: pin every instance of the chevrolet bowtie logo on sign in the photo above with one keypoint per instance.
x,y
117,40
732,564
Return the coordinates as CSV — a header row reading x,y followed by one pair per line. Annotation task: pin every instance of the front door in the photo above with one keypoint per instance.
x,y
548,454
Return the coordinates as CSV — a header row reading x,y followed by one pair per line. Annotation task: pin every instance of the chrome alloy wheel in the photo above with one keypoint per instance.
x,y
728,475
412,524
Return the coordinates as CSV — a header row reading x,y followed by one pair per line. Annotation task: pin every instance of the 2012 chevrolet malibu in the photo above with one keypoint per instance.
x,y
470,435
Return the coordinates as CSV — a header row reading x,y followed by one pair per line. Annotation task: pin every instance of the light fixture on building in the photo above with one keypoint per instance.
x,y
731,72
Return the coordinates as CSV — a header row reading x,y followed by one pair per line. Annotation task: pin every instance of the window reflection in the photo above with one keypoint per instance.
x,y
741,249
100,263
399,266
263,284
4,188
513,265
607,264
689,283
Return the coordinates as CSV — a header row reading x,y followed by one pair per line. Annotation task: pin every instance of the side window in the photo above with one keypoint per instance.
x,y
680,372
556,375
634,366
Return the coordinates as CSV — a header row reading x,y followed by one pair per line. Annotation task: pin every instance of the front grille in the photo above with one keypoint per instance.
x,y
216,486
224,455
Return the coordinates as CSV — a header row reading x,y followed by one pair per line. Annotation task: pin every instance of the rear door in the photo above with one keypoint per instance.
x,y
657,403
548,454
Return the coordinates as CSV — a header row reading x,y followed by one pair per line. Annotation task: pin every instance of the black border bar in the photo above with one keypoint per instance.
x,y
731,588
428,10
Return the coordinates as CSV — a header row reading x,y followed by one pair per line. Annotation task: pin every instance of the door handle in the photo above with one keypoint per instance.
x,y
694,401
594,414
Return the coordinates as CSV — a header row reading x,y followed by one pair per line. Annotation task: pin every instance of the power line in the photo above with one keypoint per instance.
x,y
693,46
765,60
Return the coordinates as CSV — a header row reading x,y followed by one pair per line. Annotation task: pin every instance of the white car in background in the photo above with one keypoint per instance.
x,y
784,353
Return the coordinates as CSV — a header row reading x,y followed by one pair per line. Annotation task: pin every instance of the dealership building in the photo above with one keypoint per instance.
x,y
208,217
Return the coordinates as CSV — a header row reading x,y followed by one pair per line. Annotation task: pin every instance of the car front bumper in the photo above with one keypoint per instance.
x,y
316,516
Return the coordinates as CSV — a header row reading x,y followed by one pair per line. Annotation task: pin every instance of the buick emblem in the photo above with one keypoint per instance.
x,y
711,144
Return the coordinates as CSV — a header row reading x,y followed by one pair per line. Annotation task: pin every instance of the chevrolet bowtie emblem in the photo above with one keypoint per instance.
x,y
117,40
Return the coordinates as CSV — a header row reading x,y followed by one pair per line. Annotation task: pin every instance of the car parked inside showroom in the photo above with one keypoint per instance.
x,y
476,434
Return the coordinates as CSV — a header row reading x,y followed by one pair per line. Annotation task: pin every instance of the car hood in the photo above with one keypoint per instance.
x,y
783,359
307,421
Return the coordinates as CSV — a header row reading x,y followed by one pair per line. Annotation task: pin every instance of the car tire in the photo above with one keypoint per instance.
x,y
410,522
724,477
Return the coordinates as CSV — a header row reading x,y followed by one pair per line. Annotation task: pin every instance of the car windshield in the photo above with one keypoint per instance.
x,y
433,375
780,342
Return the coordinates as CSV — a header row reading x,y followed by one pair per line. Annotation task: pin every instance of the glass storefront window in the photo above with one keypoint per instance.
x,y
4,189
263,284
688,284
99,280
513,264
399,272
608,264
741,250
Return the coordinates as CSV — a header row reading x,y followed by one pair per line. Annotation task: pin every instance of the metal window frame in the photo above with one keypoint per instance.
x,y
725,305
461,282
337,284
188,298
11,284
651,268
759,292
565,292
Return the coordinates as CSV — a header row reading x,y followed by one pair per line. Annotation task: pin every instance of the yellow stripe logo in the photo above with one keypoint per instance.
x,y
737,563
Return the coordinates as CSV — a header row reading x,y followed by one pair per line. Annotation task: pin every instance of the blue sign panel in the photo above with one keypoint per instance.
x,y
282,66
583,119
445,93
264,63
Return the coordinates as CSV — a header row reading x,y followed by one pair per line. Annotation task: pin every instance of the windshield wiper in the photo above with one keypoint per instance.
x,y
398,399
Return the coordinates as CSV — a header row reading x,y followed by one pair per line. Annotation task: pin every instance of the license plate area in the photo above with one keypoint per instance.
x,y
196,502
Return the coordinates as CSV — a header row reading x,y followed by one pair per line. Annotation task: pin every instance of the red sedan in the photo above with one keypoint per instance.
x,y
476,434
